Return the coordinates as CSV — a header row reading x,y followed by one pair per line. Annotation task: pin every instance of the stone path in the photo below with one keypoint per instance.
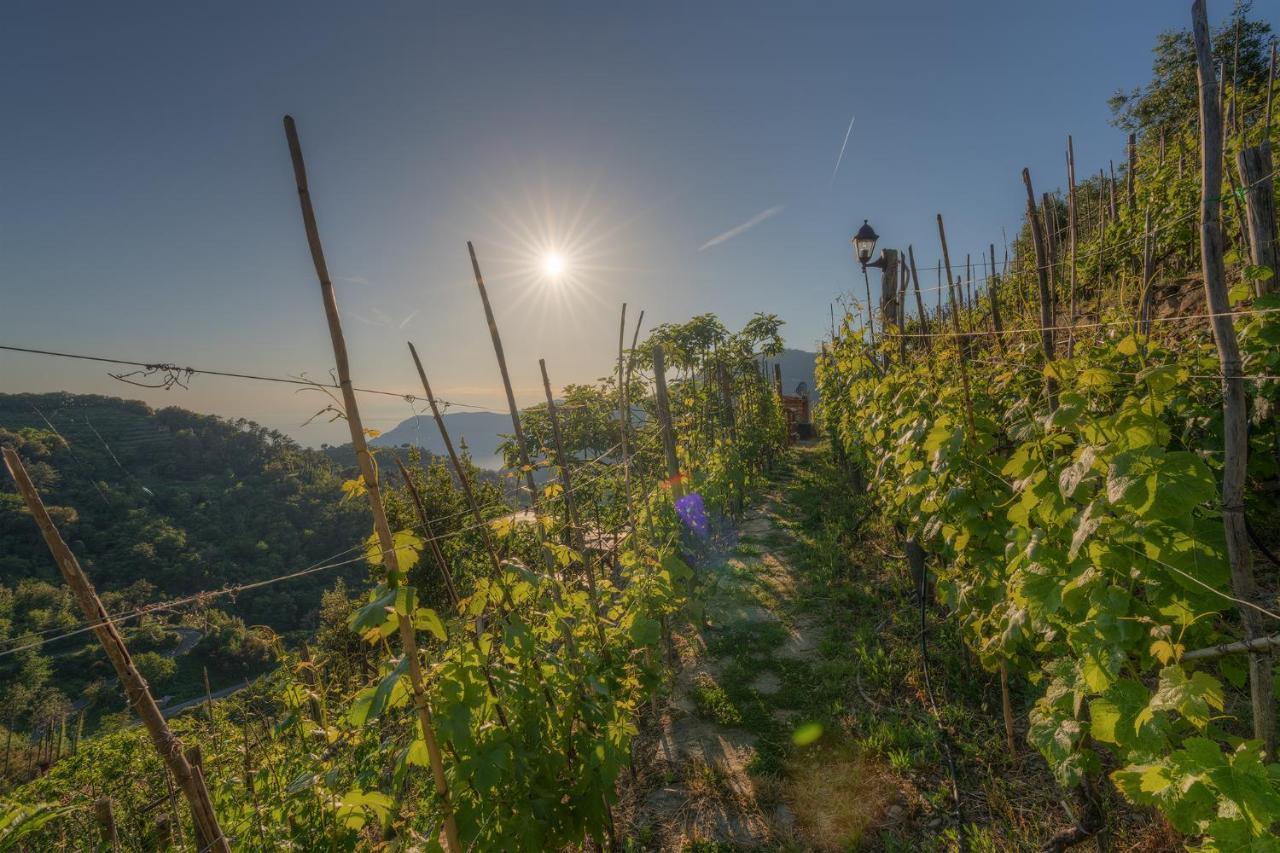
x,y
697,779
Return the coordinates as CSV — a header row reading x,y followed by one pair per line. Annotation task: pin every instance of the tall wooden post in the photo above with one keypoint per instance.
x,y
961,342
1131,174
1254,165
1042,281
1234,413
1073,239
624,416
888,292
135,687
664,420
369,474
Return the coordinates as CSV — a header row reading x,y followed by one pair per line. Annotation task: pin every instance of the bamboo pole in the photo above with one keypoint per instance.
x,y
135,687
1234,406
517,427
369,474
624,416
442,564
464,481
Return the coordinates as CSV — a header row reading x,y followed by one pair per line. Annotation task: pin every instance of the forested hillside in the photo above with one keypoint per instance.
x,y
182,501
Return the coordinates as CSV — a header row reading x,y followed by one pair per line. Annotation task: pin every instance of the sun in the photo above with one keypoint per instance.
x,y
553,265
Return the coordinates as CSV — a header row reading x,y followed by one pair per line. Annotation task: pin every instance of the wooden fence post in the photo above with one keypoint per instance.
x,y
1234,413
1254,165
368,472
135,687
664,419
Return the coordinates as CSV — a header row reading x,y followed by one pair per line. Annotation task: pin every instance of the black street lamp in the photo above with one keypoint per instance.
x,y
864,243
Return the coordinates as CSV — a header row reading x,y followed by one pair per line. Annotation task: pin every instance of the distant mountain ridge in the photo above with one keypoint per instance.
x,y
797,367
482,432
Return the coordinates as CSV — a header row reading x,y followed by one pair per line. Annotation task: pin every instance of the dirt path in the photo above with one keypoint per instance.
x,y
713,774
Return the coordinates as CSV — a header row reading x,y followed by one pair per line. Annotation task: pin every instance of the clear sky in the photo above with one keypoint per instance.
x,y
147,208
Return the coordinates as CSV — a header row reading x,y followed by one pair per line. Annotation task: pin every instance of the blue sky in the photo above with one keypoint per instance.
x,y
147,210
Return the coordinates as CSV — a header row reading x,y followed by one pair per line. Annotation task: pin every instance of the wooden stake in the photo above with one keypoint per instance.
x,y
1072,237
1042,281
516,426
135,687
442,564
961,343
915,283
993,293
312,680
624,417
1111,186
107,821
1131,176
664,420
1234,410
368,473
1254,165
208,695
1006,706
464,481
1148,274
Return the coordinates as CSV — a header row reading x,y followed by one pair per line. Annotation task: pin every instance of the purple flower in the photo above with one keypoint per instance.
x,y
693,512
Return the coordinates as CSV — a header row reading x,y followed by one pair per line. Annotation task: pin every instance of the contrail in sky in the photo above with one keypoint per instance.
x,y
843,145
739,229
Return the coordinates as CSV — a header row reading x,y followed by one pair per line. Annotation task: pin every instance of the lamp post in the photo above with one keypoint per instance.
x,y
864,243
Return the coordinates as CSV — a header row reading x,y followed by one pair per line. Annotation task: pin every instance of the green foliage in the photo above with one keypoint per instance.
x,y
1081,545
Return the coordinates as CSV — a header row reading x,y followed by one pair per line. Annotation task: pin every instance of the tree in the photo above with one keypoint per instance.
x,y
155,667
1169,101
